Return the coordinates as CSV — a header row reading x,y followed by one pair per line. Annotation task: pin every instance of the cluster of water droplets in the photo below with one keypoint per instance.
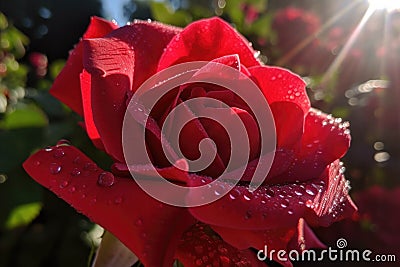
x,y
64,174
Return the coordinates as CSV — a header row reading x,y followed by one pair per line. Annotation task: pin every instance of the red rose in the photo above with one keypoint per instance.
x,y
305,184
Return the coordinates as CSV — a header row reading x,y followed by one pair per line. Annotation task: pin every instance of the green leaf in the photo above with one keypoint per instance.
x,y
24,116
23,214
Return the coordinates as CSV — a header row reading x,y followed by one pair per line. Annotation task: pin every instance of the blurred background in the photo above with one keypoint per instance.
x,y
348,51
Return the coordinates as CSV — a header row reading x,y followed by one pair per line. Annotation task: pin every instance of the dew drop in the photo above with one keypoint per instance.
x,y
77,160
247,195
309,204
64,184
106,179
290,212
310,192
55,168
72,189
269,192
36,163
48,149
273,78
118,200
248,215
139,222
58,153
298,193
234,194
199,262
75,172
89,166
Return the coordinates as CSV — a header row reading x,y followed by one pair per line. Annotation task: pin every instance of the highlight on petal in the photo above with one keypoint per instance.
x,y
66,86
325,139
118,64
106,198
278,84
320,201
205,40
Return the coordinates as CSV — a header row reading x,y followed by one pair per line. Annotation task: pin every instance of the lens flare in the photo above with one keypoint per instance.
x,y
389,5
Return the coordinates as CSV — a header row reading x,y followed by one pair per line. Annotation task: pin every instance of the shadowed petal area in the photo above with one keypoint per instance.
x,y
205,40
66,86
113,202
200,246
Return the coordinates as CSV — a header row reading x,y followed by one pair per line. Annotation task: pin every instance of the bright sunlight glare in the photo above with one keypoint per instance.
x,y
389,5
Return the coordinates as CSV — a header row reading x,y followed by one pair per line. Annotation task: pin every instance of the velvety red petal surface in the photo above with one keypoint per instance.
x,y
118,64
205,40
279,84
324,140
113,202
66,86
90,127
320,201
200,246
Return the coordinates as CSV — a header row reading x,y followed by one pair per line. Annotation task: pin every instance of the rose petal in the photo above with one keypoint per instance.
x,y
199,246
105,199
118,64
205,40
289,120
66,86
279,84
86,97
325,139
320,201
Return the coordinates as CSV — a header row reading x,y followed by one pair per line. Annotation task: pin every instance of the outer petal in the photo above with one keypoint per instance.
x,y
199,246
66,86
118,64
325,139
279,84
205,40
320,201
113,202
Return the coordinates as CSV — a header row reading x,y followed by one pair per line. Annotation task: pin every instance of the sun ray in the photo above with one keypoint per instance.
x,y
346,48
298,48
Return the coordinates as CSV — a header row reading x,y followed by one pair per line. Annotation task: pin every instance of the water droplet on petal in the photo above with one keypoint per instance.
x,y
290,212
36,163
269,192
89,166
118,200
48,149
199,262
234,194
75,172
58,153
139,222
72,189
55,168
310,192
106,179
64,184
247,195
